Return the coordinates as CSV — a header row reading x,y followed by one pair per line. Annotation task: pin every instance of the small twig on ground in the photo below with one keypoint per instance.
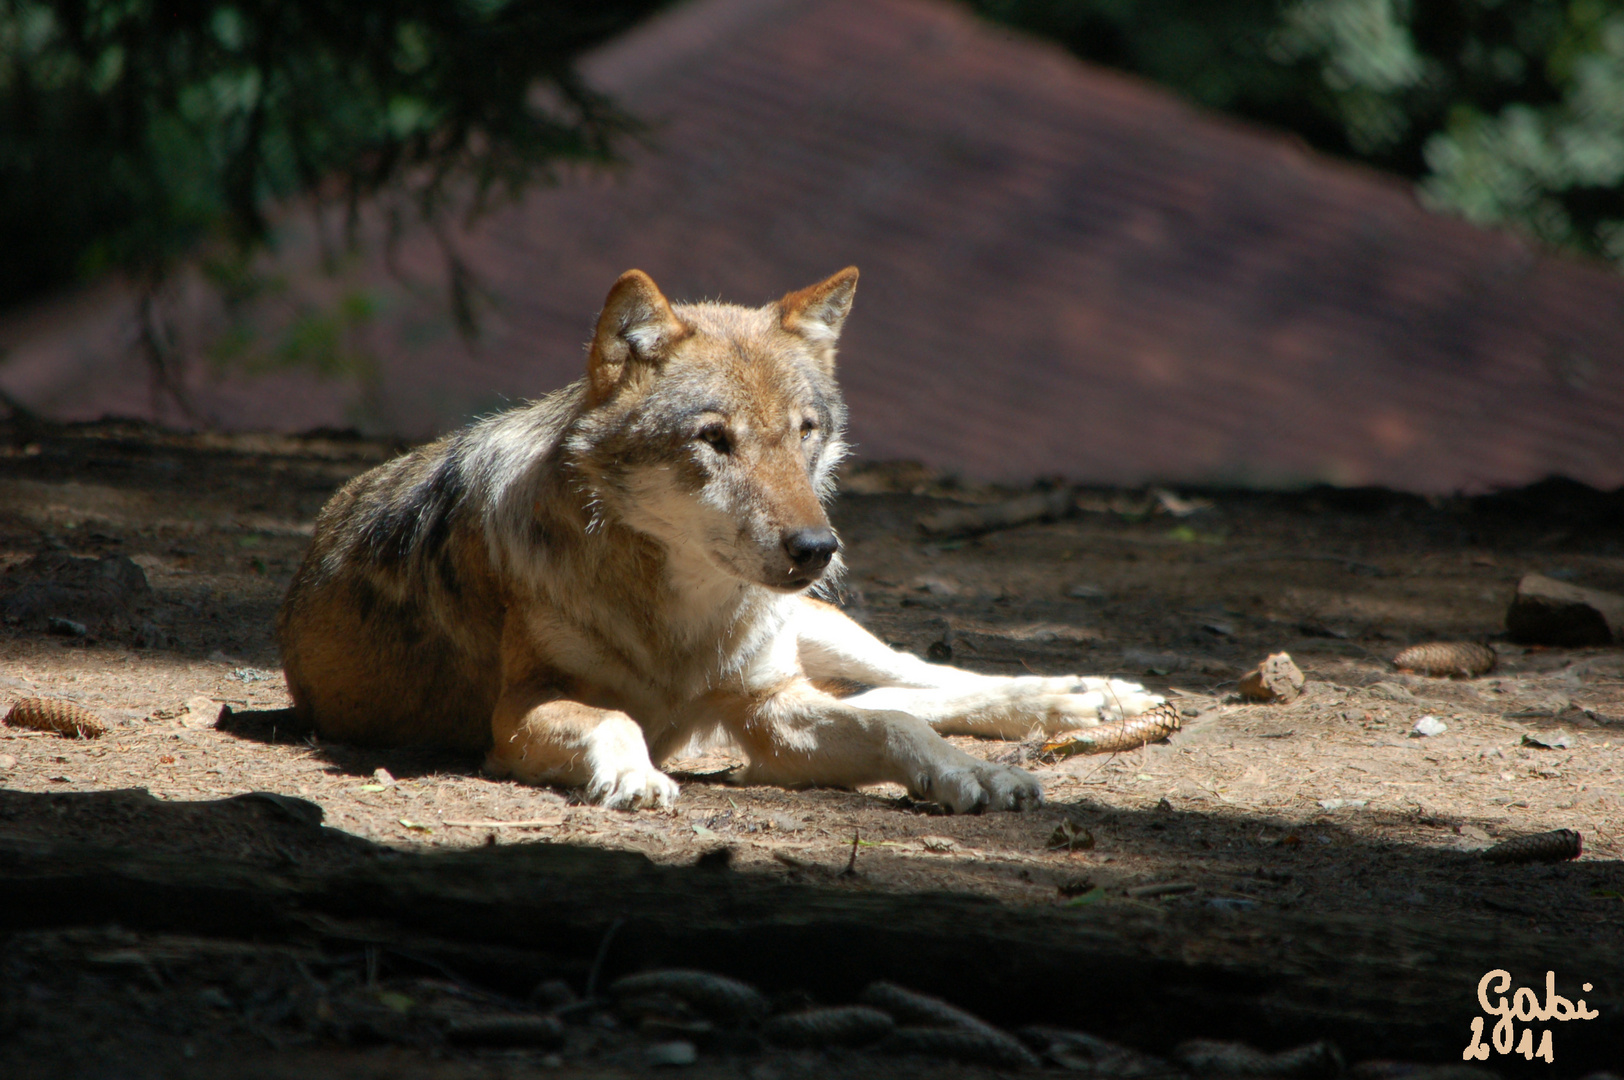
x,y
851,864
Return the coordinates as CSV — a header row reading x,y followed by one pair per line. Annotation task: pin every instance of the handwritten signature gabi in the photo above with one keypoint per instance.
x,y
1524,1006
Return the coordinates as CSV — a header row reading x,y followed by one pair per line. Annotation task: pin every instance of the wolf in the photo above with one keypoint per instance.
x,y
579,587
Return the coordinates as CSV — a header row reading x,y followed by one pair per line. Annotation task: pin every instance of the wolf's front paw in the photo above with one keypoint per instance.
x,y
638,787
1122,699
1091,701
967,785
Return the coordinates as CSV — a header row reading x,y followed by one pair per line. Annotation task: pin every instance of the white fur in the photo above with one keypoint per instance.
x,y
623,777
954,701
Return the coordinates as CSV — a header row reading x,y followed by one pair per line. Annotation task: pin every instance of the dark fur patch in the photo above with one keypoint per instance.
x,y
446,565
418,521
401,619
366,598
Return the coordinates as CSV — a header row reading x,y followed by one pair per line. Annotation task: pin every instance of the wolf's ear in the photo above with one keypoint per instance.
x,y
817,312
637,326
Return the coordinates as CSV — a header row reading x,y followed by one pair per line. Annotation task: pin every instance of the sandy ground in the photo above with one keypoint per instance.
x,y
1326,804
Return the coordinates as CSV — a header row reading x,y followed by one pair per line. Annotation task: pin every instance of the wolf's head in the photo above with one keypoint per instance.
x,y
716,429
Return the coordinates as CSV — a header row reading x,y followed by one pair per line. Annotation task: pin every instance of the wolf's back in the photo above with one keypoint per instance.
x,y
391,628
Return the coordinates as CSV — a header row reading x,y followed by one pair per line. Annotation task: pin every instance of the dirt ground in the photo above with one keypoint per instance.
x,y
1328,804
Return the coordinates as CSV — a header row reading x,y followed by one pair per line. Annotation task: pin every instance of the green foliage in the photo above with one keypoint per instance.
x,y
131,130
1505,111
1556,169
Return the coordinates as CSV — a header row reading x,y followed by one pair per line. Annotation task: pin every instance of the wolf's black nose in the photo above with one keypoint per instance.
x,y
811,549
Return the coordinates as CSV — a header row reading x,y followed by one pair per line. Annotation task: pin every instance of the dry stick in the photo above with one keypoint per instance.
x,y
851,864
1114,753
1103,764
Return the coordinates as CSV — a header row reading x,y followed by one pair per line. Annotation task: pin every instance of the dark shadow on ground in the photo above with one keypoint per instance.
x,y
1382,978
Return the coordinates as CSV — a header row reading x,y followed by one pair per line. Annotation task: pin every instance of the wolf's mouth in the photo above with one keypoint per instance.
x,y
795,582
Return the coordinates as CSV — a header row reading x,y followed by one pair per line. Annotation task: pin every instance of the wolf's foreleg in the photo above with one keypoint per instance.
x,y
832,646
1013,708
953,700
544,739
801,736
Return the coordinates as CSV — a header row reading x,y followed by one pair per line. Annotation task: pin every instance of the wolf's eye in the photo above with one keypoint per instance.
x,y
808,429
715,435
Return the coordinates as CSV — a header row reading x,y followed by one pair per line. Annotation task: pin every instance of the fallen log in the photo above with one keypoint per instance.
x,y
1377,986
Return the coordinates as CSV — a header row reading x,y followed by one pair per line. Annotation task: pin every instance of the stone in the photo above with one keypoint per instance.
x,y
201,712
1550,612
1428,725
678,1052
1277,679
75,597
1389,691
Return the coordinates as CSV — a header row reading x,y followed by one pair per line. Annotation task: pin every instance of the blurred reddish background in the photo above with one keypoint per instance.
x,y
1065,271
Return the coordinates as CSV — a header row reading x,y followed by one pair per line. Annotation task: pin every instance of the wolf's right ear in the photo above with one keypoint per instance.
x,y
817,312
637,326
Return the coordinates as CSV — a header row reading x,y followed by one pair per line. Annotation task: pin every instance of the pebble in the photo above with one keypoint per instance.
x,y
1277,679
201,712
676,1052
1428,725
1559,741
1389,691
248,674
542,1030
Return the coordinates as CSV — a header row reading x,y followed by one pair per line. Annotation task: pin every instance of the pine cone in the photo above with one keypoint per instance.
x,y
1118,735
1556,846
1454,659
63,717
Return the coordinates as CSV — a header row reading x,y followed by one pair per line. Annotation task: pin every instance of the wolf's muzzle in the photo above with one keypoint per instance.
x,y
810,550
